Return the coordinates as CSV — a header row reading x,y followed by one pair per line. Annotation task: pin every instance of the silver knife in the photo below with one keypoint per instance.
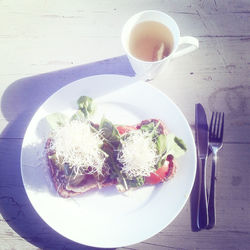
x,y
201,129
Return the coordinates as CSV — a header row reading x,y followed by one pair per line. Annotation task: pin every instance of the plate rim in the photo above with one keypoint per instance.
x,y
131,80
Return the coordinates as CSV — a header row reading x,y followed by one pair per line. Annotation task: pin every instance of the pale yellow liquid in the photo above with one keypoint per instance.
x,y
150,41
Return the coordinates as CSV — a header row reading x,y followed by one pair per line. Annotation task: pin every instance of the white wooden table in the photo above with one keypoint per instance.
x,y
45,45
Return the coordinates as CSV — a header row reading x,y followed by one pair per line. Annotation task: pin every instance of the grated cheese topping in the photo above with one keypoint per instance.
x,y
79,146
138,154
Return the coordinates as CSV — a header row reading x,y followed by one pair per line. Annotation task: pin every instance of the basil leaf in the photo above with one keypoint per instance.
x,y
56,120
161,161
85,105
109,131
180,143
161,144
136,182
174,148
152,129
78,116
148,127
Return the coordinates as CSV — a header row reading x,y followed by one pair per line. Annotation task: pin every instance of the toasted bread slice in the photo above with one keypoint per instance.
x,y
69,188
86,182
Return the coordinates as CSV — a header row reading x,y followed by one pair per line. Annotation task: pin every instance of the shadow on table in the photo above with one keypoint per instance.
x,y
19,103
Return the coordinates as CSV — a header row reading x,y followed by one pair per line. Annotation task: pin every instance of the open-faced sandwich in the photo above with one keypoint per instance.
x,y
82,155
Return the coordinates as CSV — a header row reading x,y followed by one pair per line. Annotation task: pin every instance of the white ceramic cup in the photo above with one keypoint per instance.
x,y
148,70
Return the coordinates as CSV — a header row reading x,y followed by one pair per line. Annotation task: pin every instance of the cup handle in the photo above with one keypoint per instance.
x,y
193,45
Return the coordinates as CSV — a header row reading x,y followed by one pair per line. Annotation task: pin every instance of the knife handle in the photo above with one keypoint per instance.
x,y
202,216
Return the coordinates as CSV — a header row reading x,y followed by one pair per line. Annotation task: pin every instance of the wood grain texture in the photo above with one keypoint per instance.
x,y
45,45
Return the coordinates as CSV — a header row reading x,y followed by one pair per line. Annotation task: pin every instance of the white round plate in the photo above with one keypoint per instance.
x,y
106,218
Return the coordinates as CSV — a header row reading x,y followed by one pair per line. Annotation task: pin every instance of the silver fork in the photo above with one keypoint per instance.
x,y
215,143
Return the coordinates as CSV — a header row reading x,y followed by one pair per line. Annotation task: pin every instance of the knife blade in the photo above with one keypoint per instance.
x,y
201,129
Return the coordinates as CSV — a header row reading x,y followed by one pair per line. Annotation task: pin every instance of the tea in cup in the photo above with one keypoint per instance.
x,y
151,38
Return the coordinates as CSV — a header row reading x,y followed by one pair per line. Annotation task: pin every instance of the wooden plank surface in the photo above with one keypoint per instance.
x,y
45,45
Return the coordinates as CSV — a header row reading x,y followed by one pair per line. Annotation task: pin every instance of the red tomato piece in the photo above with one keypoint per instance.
x,y
124,129
158,176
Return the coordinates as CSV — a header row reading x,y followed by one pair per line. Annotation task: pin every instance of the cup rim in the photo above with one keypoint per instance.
x,y
140,13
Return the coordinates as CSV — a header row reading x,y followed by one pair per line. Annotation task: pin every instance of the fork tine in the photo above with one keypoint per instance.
x,y
222,127
214,128
211,125
218,126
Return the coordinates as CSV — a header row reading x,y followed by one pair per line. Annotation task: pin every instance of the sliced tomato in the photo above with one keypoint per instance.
x,y
124,129
158,176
